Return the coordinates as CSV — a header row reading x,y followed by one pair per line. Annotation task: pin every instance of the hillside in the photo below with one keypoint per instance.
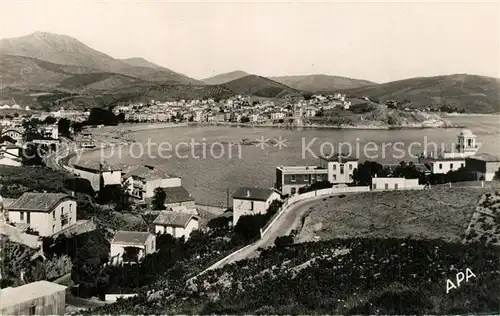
x,y
321,83
140,62
260,86
65,50
476,94
344,276
98,81
225,77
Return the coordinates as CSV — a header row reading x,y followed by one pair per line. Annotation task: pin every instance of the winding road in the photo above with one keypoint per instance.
x,y
283,226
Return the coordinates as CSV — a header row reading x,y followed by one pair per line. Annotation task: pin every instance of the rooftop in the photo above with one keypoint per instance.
x,y
96,166
43,202
130,238
16,295
177,195
171,218
146,172
467,133
249,193
486,157
339,158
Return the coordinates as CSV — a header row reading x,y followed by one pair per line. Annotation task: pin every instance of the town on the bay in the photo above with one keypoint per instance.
x,y
130,188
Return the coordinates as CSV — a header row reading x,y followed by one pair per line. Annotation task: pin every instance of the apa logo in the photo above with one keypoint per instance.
x,y
460,277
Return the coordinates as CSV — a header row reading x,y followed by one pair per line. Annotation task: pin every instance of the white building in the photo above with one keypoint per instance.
x,y
50,131
177,224
10,155
143,242
16,134
35,298
141,181
46,213
99,175
340,168
445,165
251,201
386,183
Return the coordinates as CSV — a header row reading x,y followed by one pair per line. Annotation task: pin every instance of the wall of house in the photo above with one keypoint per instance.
x,y
162,183
93,177
112,177
8,161
244,207
117,251
444,166
53,304
336,176
482,169
49,223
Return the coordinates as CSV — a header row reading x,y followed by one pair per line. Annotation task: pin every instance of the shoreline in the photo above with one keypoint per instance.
x,y
333,127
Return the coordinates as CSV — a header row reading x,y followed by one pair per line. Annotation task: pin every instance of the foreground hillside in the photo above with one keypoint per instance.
x,y
341,276
321,83
442,212
476,94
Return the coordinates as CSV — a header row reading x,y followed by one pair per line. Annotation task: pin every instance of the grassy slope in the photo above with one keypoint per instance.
x,y
437,213
259,86
321,83
477,94
226,77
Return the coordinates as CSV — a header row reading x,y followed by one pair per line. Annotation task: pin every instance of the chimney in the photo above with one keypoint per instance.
x,y
248,193
375,175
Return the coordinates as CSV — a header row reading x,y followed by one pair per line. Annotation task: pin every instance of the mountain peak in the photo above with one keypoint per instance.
x,y
140,62
225,77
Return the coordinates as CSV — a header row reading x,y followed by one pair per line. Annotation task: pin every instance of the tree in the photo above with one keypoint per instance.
x,y
497,175
244,119
50,120
159,197
63,126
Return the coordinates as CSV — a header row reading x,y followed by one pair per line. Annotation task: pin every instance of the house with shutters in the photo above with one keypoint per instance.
x,y
176,223
46,213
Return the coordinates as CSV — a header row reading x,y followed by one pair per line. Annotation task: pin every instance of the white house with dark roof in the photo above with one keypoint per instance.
x,y
251,201
140,181
46,213
177,224
179,196
144,242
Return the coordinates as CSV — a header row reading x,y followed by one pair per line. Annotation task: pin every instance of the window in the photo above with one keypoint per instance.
x,y
374,186
54,214
440,166
334,167
334,177
293,178
251,205
462,165
32,310
318,178
451,166
294,190
350,167
341,169
28,217
387,186
396,186
306,178
21,214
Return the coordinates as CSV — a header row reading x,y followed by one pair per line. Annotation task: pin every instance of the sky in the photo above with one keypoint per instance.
x,y
380,42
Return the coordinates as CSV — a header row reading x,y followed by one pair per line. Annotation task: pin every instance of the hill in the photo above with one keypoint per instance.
x,y
321,83
225,77
476,94
65,50
260,86
140,62
98,81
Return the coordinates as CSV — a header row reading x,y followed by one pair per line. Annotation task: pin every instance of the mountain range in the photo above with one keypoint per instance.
x,y
51,69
